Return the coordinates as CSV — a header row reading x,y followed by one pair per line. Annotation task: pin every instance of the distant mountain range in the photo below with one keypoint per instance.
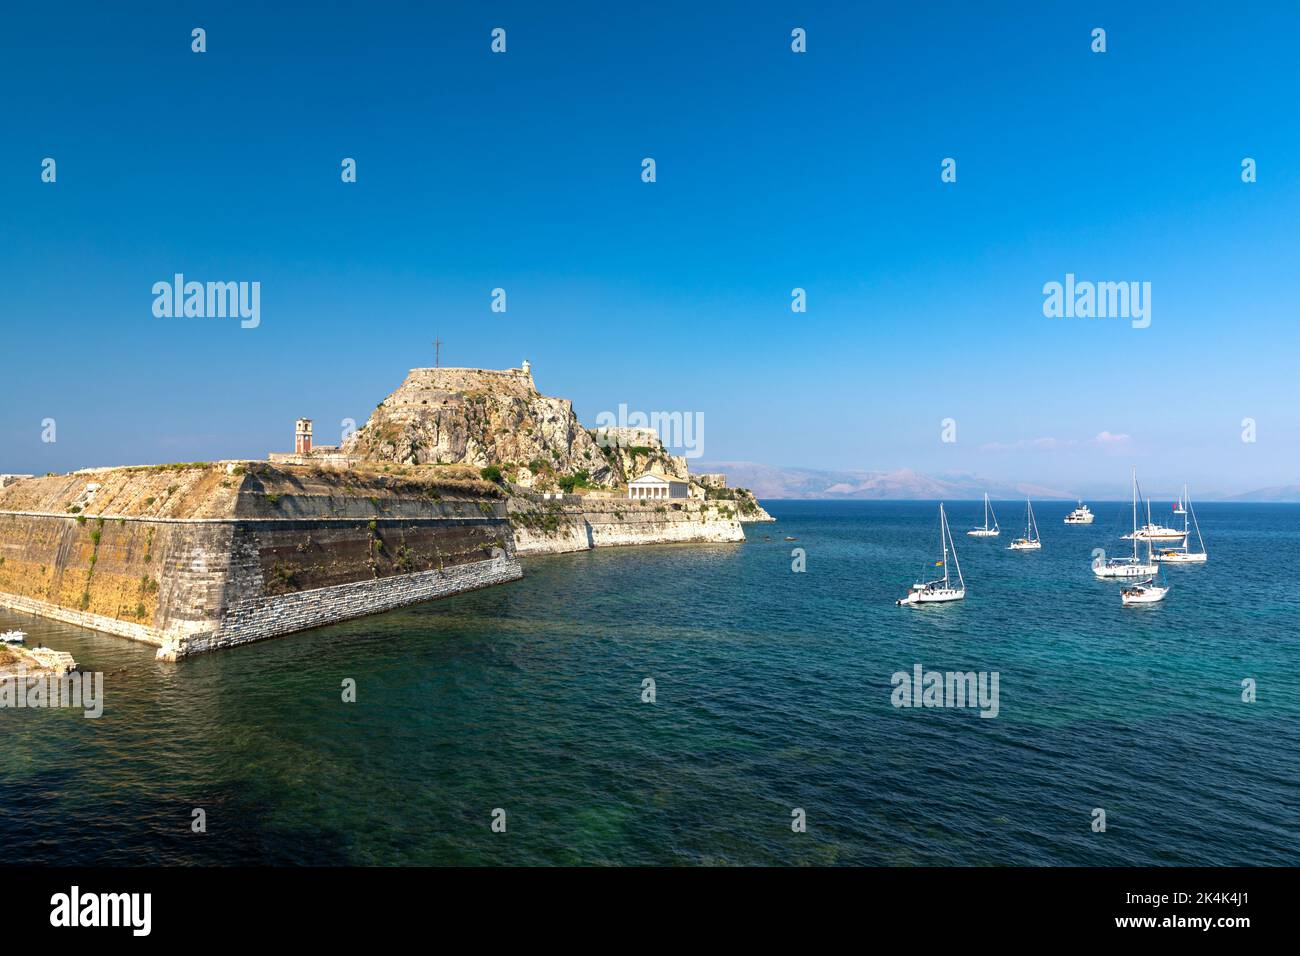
x,y
768,481
1280,493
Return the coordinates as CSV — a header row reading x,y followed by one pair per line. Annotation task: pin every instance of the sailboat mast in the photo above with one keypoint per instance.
x,y
1197,525
943,540
960,582
1135,514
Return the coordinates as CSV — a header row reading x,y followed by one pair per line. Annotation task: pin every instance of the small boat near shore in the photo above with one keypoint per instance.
x,y
12,637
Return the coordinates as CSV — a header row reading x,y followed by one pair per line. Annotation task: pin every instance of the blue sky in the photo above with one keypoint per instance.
x,y
775,171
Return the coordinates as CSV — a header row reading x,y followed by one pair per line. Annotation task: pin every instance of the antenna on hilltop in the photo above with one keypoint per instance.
x,y
437,352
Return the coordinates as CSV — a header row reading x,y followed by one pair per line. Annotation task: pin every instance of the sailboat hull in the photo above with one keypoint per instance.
x,y
934,596
1156,534
1125,570
1182,557
981,533
1022,545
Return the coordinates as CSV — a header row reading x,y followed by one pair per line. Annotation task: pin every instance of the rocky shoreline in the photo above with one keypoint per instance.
x,y
19,661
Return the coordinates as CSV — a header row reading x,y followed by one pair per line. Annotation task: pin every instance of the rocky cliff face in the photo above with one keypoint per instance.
x,y
556,527
482,417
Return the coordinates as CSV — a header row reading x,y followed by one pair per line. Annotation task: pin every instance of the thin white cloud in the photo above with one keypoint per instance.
x,y
1029,444
1103,439
1111,438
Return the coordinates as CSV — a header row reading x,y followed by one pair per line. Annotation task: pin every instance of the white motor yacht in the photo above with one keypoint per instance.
x,y
1080,515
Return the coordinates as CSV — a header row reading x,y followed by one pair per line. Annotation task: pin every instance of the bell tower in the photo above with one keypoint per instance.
x,y
302,436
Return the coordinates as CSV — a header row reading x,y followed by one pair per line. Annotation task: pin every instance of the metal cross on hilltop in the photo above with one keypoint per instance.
x,y
437,352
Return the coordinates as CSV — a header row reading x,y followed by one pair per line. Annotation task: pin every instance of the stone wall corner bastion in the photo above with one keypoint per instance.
x,y
196,557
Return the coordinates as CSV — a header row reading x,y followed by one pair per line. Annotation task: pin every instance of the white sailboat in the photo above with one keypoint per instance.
x,y
1185,554
1031,541
1144,592
986,531
12,637
1128,567
1080,515
942,589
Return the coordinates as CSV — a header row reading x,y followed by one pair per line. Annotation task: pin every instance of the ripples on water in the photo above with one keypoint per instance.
x,y
773,693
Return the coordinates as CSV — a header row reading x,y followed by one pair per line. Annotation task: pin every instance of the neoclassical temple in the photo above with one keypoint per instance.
x,y
654,485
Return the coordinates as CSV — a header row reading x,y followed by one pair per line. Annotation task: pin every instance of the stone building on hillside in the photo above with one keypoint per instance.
x,y
654,485
306,452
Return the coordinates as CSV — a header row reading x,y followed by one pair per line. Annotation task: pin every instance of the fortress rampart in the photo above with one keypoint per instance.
x,y
424,384
223,555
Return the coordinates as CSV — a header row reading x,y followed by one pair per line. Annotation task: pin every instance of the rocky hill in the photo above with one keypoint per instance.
x,y
483,417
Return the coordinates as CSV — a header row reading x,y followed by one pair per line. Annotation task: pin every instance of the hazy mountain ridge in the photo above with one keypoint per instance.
x,y
771,481
767,481
1278,493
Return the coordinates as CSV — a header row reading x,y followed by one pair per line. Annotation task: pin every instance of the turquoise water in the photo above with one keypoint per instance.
x,y
773,692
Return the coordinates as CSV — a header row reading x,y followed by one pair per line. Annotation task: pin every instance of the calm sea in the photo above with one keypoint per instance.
x,y
772,693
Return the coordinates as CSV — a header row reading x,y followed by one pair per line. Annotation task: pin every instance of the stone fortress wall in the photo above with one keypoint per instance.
x,y
211,559
424,384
